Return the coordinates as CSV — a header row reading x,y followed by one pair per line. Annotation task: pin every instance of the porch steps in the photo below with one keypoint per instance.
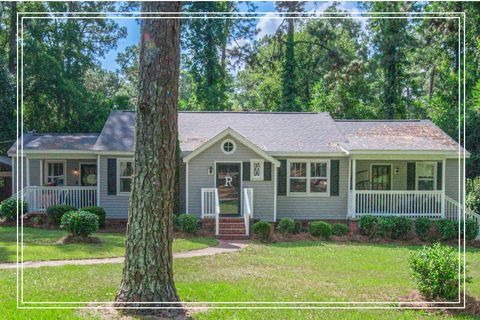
x,y
232,229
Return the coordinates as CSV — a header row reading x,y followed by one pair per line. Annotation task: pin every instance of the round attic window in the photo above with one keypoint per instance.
x,y
228,146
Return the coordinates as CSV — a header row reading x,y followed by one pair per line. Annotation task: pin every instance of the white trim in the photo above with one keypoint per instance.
x,y
371,174
308,178
186,187
354,188
98,181
307,154
235,135
407,152
65,172
434,174
122,193
41,172
80,173
262,170
444,165
234,145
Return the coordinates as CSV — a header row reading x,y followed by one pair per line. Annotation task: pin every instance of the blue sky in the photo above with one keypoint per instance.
x,y
265,25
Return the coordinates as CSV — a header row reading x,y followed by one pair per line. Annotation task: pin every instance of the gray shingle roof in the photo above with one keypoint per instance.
x,y
408,135
281,132
54,141
272,132
6,160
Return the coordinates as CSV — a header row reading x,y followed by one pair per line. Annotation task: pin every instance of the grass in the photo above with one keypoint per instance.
x,y
299,271
40,244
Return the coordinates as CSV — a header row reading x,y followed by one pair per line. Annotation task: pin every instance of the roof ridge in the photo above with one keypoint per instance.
x,y
238,112
379,120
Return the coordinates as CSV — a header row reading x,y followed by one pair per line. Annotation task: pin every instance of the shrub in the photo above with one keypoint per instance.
x,y
55,213
339,229
368,225
472,196
422,226
446,228
298,227
8,208
385,226
402,227
99,212
286,226
435,270
79,223
261,230
37,221
188,223
320,229
471,229
176,222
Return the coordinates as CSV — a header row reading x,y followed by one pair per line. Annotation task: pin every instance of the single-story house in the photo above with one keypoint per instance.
x,y
260,165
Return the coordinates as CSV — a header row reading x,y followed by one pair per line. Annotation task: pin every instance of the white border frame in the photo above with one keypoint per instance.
x,y
435,168
240,195
80,164
202,305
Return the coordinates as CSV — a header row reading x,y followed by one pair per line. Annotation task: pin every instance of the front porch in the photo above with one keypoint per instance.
x,y
40,198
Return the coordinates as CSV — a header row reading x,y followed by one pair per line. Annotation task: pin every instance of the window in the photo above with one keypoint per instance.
x,y
256,170
55,173
426,175
308,177
124,180
228,146
381,176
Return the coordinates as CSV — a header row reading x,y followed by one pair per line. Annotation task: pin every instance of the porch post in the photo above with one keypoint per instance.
x,y
354,183
275,193
41,172
444,162
28,171
98,181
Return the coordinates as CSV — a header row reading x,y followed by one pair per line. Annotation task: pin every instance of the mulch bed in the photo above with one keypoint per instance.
x,y
472,305
77,239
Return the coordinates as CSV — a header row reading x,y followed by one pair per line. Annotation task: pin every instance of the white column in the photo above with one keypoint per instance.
x,y
275,193
186,188
349,191
28,171
41,173
444,162
98,180
354,184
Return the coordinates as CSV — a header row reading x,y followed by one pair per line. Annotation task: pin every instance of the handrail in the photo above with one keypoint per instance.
x,y
247,208
39,198
454,211
217,213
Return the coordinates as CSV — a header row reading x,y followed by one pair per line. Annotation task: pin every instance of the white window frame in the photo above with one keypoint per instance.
x,y
252,171
434,174
232,142
119,160
309,177
80,164
381,164
64,163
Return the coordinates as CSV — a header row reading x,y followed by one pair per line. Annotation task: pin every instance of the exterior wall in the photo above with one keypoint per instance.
x,y
116,206
317,207
183,187
17,170
452,179
263,191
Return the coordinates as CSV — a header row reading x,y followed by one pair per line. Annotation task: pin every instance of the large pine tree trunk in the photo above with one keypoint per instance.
x,y
148,272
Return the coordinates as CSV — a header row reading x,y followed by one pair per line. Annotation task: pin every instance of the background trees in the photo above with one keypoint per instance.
x,y
353,68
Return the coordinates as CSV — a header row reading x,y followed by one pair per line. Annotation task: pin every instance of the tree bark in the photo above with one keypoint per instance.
x,y
12,40
148,271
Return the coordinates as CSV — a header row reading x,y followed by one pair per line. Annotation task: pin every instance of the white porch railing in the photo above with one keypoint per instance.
x,y
211,206
40,198
398,203
247,208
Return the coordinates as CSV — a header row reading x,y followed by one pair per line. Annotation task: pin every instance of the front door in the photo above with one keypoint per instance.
x,y
381,177
88,174
228,185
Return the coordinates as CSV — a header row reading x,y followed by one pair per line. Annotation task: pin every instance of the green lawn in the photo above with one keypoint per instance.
x,y
300,271
40,244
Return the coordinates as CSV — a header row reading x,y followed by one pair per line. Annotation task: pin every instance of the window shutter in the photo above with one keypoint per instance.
x,y
439,175
282,178
267,171
246,171
112,176
410,175
334,177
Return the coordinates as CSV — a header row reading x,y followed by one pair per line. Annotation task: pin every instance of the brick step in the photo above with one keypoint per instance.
x,y
231,220
231,231
231,225
233,237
